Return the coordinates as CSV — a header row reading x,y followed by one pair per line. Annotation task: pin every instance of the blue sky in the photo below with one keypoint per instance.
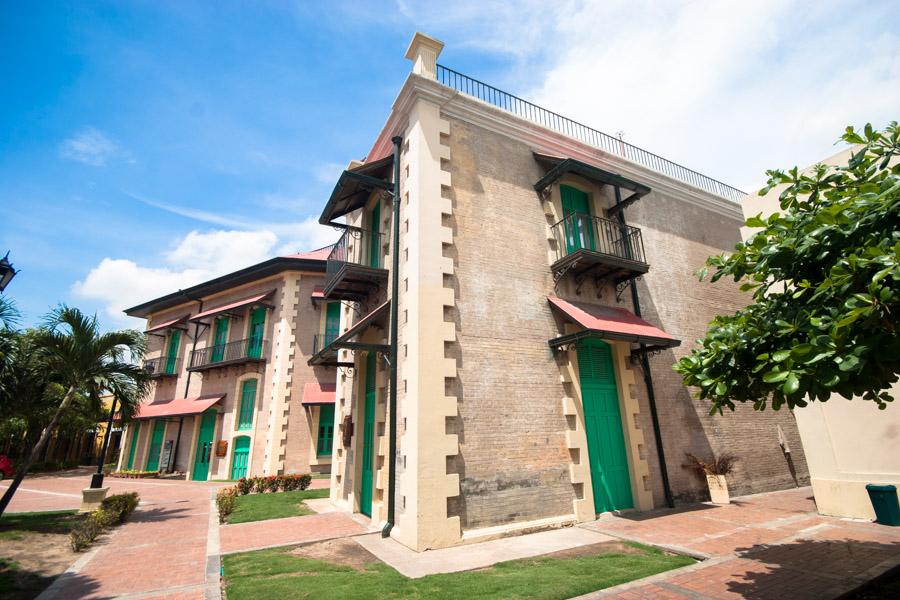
x,y
146,146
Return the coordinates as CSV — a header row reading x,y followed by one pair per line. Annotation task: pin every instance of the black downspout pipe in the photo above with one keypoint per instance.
x,y
97,478
648,376
392,353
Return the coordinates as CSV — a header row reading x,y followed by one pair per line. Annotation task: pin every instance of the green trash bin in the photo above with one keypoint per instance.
x,y
884,501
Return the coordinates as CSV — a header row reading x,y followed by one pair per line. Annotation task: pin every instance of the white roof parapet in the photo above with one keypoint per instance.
x,y
423,51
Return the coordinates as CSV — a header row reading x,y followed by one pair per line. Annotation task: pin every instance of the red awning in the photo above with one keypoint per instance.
x,y
318,293
179,407
168,324
318,393
609,322
257,299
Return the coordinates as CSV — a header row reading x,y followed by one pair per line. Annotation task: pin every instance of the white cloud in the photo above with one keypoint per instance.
x,y
309,235
329,172
89,146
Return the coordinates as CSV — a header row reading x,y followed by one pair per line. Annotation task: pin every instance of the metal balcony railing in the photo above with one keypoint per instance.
x,y
588,135
163,366
321,340
355,246
250,349
580,231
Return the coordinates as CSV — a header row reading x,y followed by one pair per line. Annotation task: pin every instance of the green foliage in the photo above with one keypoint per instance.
x,y
225,501
824,276
113,511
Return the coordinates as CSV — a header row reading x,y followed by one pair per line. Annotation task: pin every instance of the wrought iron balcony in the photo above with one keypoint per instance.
x,y
354,268
232,353
321,340
599,247
164,366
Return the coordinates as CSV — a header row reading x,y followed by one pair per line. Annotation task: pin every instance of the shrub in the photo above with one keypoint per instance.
x,y
85,532
225,502
272,483
121,505
105,517
244,486
719,465
259,485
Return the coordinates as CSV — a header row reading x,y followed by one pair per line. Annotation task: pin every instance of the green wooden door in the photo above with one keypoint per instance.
x,y
240,456
248,400
332,322
368,441
257,323
603,425
156,440
326,430
204,446
578,228
136,428
172,355
375,240
220,339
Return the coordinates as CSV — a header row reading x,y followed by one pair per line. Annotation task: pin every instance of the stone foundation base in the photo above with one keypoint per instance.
x,y
91,499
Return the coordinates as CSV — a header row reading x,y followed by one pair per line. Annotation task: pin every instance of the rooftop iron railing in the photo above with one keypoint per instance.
x,y
357,246
253,348
580,231
536,114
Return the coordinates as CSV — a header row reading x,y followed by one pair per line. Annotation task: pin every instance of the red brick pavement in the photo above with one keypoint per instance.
x,y
282,532
761,547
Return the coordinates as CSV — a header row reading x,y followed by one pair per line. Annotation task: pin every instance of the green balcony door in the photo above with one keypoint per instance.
x,y
332,322
603,425
240,457
204,446
220,339
136,433
578,226
156,440
375,239
326,430
172,353
257,324
368,441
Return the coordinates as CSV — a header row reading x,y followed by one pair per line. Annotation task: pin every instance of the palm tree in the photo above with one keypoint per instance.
x,y
88,362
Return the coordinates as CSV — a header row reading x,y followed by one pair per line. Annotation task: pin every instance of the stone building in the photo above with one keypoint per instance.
x,y
545,288
232,393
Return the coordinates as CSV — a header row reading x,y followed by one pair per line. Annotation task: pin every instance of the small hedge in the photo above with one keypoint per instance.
x,y
113,511
134,474
226,499
49,466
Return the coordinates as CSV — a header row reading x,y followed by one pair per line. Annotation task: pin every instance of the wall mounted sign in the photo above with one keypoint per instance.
x,y
222,448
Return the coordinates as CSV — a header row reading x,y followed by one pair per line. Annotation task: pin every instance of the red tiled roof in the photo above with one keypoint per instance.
x,y
320,254
179,407
318,393
167,324
616,323
236,304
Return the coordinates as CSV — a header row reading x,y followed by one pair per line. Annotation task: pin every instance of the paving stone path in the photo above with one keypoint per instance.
x,y
765,546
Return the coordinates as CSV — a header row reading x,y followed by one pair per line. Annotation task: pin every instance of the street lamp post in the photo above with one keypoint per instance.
x,y
7,272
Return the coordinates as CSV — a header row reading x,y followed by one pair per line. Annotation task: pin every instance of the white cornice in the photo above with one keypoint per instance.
x,y
541,139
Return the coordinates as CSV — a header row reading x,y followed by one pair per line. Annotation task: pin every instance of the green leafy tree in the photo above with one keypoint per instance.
x,y
825,281
83,363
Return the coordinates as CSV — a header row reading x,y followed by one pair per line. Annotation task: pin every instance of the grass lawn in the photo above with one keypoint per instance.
x,y
275,505
14,526
279,574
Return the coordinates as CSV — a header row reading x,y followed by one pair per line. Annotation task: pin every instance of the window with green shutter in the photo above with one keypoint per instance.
x,y
326,430
248,398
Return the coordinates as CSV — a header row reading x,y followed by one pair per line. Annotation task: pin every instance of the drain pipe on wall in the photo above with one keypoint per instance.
x,y
648,380
392,353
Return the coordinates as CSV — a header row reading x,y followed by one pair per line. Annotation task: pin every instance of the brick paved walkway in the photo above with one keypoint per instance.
x,y
282,532
759,547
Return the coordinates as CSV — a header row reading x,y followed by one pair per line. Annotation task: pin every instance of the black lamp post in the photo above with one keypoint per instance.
x,y
7,272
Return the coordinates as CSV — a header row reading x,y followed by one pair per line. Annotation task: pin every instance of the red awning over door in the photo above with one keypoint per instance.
x,y
610,322
180,407
316,393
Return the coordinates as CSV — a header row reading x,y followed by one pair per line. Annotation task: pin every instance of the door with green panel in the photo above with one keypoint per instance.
x,y
368,439
248,401
375,240
136,433
240,457
579,229
203,453
220,338
603,425
255,334
172,354
326,430
332,322
156,440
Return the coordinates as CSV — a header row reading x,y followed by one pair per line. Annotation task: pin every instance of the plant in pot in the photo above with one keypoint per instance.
x,y
715,471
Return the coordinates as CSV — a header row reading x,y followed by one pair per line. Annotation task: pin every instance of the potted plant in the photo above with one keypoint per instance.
x,y
715,472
